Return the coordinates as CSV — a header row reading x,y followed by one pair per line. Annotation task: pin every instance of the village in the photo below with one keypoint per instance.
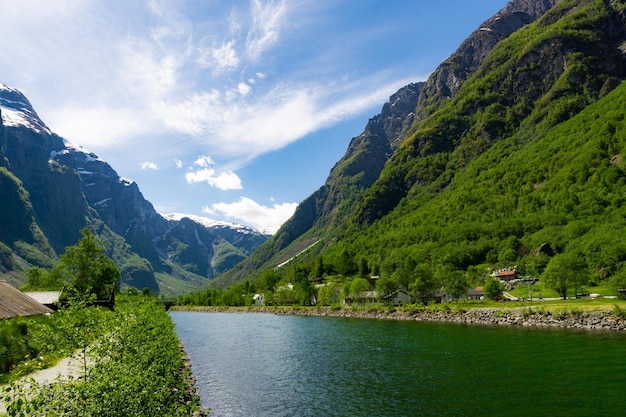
x,y
507,277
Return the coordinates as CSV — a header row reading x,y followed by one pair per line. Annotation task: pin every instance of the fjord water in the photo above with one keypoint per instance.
x,y
250,364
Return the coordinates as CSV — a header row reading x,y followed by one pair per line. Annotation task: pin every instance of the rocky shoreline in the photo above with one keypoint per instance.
x,y
593,320
192,393
573,319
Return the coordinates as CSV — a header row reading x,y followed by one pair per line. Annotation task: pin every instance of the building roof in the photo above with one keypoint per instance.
x,y
45,297
506,274
15,303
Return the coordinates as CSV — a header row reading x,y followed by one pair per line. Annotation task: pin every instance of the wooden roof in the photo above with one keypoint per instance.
x,y
15,303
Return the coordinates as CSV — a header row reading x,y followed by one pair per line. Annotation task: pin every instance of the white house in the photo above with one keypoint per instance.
x,y
258,299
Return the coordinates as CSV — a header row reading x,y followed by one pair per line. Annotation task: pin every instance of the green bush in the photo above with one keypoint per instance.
x,y
135,367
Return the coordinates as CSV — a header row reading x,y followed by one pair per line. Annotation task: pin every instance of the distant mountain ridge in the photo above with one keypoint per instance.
x,y
54,189
533,66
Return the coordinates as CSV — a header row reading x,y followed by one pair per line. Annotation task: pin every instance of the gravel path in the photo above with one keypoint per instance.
x,y
63,368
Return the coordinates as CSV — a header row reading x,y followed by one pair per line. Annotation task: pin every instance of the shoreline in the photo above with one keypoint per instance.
x,y
574,319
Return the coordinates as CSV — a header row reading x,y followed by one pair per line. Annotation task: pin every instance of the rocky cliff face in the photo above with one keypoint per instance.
x,y
452,73
54,189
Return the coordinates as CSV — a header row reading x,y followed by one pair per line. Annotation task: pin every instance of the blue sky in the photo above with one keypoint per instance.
x,y
233,110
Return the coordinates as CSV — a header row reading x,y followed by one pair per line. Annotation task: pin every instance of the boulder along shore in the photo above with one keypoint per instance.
x,y
574,319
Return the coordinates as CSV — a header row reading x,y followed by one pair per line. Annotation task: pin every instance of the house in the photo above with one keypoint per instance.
x,y
475,294
258,299
366,297
398,297
505,274
14,303
471,294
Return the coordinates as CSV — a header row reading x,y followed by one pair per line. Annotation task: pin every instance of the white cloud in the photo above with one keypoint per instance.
x,y
244,89
227,181
179,163
204,161
149,165
250,212
224,57
224,181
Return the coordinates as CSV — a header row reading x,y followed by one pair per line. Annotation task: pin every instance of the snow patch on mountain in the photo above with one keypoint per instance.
x,y
17,111
210,223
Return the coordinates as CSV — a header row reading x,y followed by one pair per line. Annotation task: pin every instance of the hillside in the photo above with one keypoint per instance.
x,y
51,189
515,142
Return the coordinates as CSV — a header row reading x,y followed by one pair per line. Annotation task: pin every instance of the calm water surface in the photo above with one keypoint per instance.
x,y
269,365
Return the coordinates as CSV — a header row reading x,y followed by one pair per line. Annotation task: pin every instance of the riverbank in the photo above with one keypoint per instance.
x,y
527,317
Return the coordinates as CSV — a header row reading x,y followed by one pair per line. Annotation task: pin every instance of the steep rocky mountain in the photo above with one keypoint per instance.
x,y
51,189
533,67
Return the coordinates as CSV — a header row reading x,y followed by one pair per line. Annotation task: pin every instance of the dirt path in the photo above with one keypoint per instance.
x,y
66,367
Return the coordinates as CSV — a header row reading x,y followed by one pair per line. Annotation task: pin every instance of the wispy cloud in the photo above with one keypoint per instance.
x,y
267,19
152,80
268,219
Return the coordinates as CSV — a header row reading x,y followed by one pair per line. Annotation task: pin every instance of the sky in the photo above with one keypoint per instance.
x,y
233,110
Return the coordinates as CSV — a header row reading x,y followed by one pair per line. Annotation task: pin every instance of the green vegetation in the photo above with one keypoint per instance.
x,y
134,364
529,153
27,344
84,267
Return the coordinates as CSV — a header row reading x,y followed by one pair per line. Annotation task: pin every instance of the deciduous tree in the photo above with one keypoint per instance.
x,y
565,271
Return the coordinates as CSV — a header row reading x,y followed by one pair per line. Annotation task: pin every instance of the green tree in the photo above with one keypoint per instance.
x,y
302,288
364,269
318,269
618,281
87,268
453,280
405,272
565,271
424,284
39,279
327,294
268,280
359,285
346,264
386,286
493,289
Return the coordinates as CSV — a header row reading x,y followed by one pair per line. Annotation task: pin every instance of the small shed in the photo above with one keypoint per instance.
x,y
14,303
258,299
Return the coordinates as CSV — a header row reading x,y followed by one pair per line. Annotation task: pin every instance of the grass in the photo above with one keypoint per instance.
x,y
522,291
172,287
597,304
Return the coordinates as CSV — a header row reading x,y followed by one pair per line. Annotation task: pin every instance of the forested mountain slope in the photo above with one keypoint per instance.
x,y
516,141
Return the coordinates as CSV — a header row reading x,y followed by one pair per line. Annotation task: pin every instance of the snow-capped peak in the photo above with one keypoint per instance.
x,y
208,222
17,111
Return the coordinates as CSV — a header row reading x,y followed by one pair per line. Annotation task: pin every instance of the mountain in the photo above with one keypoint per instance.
x,y
51,189
513,142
